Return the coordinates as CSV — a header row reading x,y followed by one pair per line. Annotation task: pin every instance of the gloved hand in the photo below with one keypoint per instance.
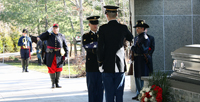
x,y
50,30
64,58
101,69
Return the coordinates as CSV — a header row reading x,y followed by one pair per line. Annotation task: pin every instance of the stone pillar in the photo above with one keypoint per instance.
x,y
132,78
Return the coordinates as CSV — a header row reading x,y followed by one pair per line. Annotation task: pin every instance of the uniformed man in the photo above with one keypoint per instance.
x,y
44,51
39,51
55,55
150,52
93,76
111,56
26,49
140,50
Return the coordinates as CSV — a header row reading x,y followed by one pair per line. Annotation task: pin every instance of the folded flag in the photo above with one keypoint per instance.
x,y
91,45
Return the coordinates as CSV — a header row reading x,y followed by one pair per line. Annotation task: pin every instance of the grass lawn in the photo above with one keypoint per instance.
x,y
44,69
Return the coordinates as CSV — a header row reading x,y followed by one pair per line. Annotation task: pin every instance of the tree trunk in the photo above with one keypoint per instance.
x,y
124,21
75,49
46,21
81,24
70,51
102,9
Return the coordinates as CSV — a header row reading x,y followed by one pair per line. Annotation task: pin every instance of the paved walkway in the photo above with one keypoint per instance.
x,y
35,87
4,55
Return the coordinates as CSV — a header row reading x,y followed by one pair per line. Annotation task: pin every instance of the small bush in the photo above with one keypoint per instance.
x,y
34,54
7,41
1,45
12,57
15,35
79,63
16,59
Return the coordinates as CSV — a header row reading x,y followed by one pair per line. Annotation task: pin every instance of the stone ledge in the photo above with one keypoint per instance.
x,y
185,86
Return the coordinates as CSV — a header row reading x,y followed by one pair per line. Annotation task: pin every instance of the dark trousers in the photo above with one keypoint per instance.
x,y
95,86
114,86
24,53
139,84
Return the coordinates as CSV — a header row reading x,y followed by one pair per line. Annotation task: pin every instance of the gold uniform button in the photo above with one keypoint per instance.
x,y
88,58
84,40
91,38
91,33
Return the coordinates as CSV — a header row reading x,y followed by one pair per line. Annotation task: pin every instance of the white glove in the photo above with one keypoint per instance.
x,y
101,69
50,30
66,58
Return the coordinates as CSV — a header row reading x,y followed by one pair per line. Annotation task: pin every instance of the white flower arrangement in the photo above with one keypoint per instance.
x,y
151,94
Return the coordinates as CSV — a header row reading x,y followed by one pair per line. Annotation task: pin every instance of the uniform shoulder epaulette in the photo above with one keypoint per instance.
x,y
86,33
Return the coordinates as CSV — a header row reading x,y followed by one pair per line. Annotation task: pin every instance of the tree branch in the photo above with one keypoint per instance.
x,y
72,2
77,4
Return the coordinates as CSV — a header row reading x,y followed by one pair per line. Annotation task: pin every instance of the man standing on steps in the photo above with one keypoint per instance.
x,y
141,56
26,49
93,76
56,53
111,55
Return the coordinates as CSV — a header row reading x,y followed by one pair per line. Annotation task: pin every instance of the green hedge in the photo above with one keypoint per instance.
x,y
8,44
1,45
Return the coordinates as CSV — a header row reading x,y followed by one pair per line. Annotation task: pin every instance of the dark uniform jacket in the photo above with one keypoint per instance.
x,y
91,57
25,52
152,44
141,47
57,41
150,52
111,38
39,45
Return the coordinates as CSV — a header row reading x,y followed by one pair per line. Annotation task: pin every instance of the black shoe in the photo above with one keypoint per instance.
x,y
135,98
57,86
26,71
52,86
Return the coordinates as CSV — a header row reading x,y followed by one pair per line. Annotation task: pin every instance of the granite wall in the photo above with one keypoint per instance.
x,y
173,23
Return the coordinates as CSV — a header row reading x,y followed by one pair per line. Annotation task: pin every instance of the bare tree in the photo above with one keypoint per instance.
x,y
79,6
46,24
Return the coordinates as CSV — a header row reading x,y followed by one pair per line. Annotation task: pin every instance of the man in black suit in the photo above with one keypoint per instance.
x,y
93,76
111,56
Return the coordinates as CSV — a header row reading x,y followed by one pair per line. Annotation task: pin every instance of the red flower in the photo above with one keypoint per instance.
x,y
147,95
159,97
153,86
149,49
160,90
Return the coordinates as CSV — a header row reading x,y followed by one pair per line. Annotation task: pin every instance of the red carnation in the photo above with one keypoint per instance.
x,y
149,49
147,95
160,90
153,86
159,97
